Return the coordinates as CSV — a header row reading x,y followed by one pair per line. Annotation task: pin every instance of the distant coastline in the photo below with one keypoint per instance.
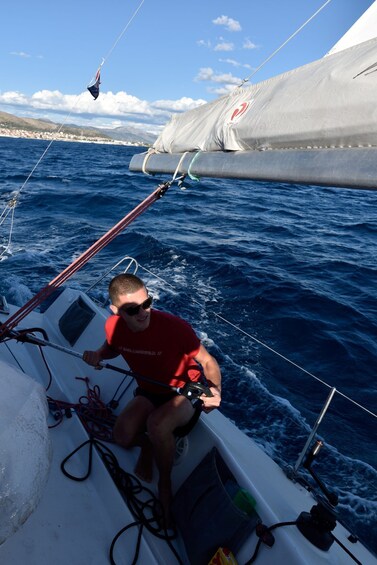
x,y
63,136
31,128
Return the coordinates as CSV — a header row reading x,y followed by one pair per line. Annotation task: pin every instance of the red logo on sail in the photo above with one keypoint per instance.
x,y
239,112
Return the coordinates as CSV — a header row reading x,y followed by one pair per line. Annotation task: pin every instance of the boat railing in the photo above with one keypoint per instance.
x,y
131,267
293,472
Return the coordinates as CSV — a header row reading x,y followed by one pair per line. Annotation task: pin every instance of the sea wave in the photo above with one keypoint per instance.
x,y
247,264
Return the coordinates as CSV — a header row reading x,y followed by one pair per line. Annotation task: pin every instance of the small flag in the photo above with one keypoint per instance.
x,y
94,87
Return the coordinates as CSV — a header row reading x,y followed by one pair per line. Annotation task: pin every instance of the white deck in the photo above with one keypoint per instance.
x,y
76,521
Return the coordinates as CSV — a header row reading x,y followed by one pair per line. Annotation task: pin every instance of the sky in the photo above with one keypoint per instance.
x,y
159,57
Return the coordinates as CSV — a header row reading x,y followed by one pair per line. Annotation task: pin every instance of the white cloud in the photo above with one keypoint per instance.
x,y
230,62
24,55
235,63
229,23
247,44
225,46
181,105
109,107
13,97
208,74
204,43
21,54
110,104
221,90
205,73
117,104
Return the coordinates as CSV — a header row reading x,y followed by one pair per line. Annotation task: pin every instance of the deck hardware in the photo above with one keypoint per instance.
x,y
313,432
318,524
4,309
331,496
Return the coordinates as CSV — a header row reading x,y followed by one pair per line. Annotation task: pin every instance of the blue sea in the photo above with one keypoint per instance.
x,y
249,265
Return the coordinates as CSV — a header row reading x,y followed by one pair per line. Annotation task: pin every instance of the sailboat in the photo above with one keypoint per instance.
x,y
68,494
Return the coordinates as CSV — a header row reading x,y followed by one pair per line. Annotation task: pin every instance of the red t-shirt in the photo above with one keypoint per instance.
x,y
164,352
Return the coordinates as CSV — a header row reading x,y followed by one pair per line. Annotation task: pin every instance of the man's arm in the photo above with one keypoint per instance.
x,y
212,373
95,357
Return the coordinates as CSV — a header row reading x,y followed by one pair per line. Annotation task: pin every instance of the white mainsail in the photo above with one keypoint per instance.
x,y
363,29
328,103
314,124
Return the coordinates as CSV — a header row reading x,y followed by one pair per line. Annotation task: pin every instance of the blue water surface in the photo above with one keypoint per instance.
x,y
294,267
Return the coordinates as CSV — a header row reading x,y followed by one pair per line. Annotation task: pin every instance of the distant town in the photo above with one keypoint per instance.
x,y
63,136
31,128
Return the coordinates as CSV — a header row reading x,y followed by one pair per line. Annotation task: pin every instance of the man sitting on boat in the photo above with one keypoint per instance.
x,y
164,349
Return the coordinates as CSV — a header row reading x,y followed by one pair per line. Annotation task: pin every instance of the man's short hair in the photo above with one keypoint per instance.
x,y
124,284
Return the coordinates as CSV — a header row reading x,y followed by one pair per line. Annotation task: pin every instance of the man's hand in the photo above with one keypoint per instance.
x,y
93,358
212,374
211,402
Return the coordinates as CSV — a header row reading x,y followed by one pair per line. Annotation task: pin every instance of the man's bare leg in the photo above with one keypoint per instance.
x,y
161,425
144,465
129,431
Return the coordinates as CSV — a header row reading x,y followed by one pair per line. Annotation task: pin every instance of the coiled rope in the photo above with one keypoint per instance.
x,y
98,420
147,512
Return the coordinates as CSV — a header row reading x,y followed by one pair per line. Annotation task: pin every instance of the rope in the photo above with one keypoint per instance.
x,y
346,550
76,265
150,152
147,513
11,208
265,536
153,151
283,44
179,164
96,417
193,177
98,421
9,205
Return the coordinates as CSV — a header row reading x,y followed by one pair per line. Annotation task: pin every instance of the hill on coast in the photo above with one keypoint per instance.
x,y
45,129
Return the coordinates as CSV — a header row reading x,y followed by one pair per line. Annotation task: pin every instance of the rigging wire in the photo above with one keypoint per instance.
x,y
261,343
122,32
246,79
11,205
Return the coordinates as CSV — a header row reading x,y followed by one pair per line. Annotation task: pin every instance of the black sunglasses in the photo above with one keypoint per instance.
x,y
134,310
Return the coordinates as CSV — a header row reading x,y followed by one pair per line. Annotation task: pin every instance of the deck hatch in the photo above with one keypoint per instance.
x,y
75,320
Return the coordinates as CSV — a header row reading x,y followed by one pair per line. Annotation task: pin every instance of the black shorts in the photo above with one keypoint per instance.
x,y
156,399
160,399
